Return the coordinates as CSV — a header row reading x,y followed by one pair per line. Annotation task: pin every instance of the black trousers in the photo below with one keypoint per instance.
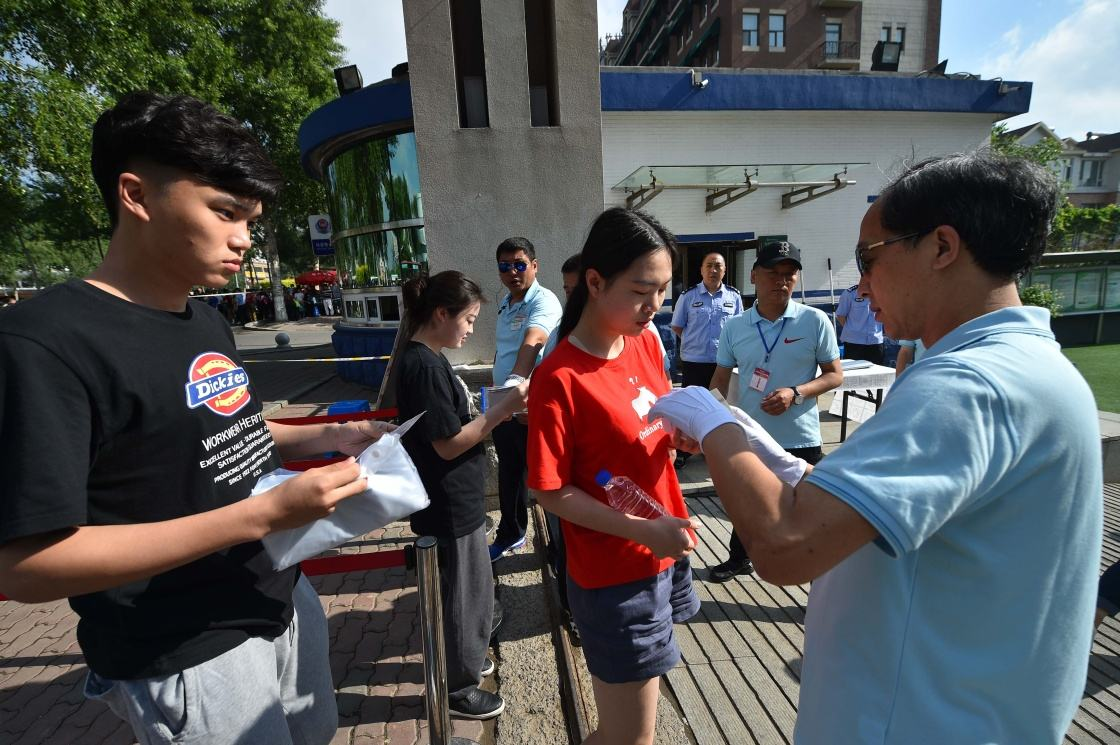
x,y
812,456
697,373
511,440
870,352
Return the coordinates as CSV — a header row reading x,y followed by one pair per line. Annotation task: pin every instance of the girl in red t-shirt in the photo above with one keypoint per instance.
x,y
628,578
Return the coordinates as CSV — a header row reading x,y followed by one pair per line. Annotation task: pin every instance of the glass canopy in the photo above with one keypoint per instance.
x,y
714,177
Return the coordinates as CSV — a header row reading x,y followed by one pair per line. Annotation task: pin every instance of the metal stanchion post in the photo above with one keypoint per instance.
x,y
431,633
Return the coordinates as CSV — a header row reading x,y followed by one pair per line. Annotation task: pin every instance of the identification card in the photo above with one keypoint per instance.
x,y
516,323
759,379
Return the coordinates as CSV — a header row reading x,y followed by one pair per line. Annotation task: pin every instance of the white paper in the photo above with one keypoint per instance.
x,y
394,492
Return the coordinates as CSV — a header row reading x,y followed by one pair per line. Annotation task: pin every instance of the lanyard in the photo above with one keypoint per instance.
x,y
770,348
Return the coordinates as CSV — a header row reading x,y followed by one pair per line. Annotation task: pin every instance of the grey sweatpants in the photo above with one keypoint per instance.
x,y
467,590
278,692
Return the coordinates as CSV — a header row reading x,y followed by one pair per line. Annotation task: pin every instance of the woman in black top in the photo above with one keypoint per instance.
x,y
446,446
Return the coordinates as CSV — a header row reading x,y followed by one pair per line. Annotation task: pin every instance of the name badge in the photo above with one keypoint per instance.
x,y
759,379
698,304
516,323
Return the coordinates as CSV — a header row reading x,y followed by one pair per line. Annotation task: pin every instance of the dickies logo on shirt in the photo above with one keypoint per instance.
x,y
216,382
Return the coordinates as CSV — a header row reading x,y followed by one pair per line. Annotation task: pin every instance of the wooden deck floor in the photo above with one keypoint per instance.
x,y
739,677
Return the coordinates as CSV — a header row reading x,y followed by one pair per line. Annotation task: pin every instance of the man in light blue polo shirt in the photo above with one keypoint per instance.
x,y
955,558
861,334
526,316
777,346
698,318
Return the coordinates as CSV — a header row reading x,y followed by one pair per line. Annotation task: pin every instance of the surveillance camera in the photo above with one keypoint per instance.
x,y
703,84
698,79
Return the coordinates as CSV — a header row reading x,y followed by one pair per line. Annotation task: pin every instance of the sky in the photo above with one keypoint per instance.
x,y
1069,49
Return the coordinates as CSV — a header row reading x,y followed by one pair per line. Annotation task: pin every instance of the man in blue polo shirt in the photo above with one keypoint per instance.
x,y
861,334
526,316
777,345
954,560
698,318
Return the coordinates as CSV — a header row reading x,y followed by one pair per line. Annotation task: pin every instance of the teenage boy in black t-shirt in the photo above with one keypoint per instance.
x,y
130,438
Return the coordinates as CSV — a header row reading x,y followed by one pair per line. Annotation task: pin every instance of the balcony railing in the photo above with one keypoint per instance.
x,y
838,54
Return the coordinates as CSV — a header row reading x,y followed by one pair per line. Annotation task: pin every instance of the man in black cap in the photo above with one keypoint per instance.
x,y
777,345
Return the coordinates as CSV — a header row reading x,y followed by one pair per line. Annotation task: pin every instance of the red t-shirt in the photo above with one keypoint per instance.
x,y
587,414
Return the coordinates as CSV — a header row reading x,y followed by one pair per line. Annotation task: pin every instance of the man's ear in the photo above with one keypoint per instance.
x,y
949,246
133,192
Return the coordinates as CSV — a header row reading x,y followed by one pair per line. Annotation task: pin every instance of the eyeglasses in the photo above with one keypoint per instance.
x,y
863,263
505,266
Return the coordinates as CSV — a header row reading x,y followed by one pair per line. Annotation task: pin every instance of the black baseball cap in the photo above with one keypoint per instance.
x,y
777,251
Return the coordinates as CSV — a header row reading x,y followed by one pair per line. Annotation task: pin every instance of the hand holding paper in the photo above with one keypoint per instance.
x,y
352,438
331,505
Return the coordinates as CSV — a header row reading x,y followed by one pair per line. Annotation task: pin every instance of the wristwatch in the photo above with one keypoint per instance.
x,y
798,399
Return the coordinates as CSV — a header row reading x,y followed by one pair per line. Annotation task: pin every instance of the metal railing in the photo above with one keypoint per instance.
x,y
832,51
431,640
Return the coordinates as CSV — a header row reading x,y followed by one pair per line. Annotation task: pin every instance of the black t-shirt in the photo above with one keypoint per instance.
x,y
113,413
426,382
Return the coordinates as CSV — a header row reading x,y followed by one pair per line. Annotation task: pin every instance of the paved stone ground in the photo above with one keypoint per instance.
x,y
375,659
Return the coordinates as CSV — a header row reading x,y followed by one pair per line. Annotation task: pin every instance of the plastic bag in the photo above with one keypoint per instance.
x,y
395,492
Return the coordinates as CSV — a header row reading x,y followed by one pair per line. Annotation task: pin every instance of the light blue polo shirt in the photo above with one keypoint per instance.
x,y
860,326
538,309
970,618
800,339
702,315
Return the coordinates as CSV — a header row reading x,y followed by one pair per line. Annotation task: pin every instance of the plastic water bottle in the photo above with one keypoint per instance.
x,y
626,496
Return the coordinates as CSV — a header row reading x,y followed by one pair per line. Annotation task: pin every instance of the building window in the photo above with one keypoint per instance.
x,y
544,109
470,62
1091,176
750,30
900,37
885,33
832,40
777,28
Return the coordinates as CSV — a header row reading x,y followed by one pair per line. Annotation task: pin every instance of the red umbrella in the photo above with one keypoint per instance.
x,y
317,277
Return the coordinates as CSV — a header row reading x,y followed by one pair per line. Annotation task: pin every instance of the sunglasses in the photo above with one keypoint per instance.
x,y
863,261
505,266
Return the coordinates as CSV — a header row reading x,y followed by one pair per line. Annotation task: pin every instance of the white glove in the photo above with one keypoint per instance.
x,y
514,379
693,411
788,468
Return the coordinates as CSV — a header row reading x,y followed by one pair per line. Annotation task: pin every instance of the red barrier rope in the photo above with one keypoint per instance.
x,y
325,418
345,563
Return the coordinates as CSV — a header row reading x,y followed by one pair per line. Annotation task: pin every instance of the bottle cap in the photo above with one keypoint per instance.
x,y
602,477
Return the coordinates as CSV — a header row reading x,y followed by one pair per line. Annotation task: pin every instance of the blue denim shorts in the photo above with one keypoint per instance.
x,y
627,630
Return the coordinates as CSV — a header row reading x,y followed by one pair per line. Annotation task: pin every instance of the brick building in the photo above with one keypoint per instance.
x,y
775,34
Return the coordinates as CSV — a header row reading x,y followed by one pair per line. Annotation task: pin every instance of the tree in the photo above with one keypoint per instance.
x,y
266,62
1045,152
1085,228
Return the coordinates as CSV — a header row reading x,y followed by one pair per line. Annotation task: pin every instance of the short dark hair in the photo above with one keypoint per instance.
x,y
570,265
184,133
618,237
513,245
1000,206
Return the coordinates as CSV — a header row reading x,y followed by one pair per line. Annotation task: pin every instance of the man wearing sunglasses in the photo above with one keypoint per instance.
x,y
526,316
953,541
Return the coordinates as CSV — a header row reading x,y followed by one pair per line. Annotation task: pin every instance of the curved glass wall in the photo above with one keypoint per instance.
x,y
373,192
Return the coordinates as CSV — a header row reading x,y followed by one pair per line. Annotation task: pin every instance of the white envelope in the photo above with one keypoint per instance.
x,y
395,492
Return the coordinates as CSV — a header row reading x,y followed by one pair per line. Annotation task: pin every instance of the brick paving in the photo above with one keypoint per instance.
x,y
374,625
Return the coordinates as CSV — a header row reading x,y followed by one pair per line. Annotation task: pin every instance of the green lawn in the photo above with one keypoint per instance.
x,y
1101,367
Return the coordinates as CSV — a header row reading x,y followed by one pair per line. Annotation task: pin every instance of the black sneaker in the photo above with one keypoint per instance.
x,y
728,569
682,458
488,668
478,704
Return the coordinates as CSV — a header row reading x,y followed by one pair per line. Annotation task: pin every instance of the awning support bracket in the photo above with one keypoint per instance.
x,y
722,197
798,197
